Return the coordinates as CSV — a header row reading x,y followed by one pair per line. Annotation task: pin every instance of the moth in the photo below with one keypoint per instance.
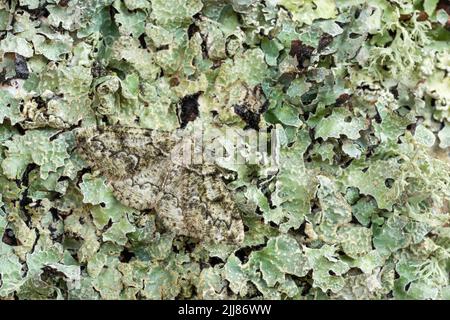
x,y
190,200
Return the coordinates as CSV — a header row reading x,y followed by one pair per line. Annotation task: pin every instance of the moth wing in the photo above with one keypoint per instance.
x,y
137,166
188,208
116,152
143,189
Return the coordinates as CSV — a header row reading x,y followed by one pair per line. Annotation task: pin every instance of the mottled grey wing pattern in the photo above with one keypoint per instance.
x,y
136,163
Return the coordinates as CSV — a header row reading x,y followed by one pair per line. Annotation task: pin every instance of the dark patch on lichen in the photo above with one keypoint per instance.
x,y
324,41
250,118
213,261
9,237
142,41
302,52
36,14
343,98
21,67
192,29
126,256
63,3
188,109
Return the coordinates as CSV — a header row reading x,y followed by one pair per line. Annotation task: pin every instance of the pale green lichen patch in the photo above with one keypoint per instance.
x,y
353,96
